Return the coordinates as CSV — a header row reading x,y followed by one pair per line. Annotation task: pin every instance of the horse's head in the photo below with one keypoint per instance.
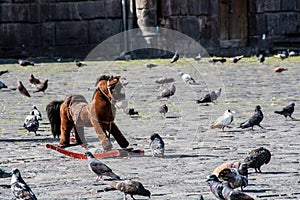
x,y
111,87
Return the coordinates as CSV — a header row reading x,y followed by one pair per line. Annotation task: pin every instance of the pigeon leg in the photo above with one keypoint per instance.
x,y
125,196
260,126
132,197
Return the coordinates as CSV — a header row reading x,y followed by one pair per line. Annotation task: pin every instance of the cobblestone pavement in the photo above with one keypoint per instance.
x,y
193,150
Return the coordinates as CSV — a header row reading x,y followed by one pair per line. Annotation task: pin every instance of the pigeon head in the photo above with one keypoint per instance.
x,y
257,108
293,104
33,107
89,154
212,177
16,172
154,135
146,193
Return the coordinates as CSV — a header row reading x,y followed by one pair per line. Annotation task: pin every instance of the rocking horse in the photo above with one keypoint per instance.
x,y
75,113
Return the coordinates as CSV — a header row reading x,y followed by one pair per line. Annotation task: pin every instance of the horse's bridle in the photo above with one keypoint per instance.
x,y
112,100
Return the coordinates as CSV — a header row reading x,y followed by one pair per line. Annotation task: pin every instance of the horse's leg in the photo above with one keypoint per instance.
x,y
65,127
114,130
79,135
105,142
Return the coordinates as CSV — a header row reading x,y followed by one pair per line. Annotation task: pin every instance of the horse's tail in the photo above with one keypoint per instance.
x,y
53,113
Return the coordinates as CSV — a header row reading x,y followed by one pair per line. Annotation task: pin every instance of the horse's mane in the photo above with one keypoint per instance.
x,y
104,77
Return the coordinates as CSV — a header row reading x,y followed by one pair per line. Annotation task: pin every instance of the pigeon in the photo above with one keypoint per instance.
x,y
79,64
99,168
168,92
215,60
187,78
254,120
129,187
33,80
198,58
229,193
234,178
223,191
287,111
217,94
36,112
5,173
237,58
223,121
42,87
19,188
157,145
2,85
3,72
163,109
216,186
132,112
291,53
25,63
175,57
282,55
257,158
279,69
31,123
22,89
242,168
150,65
210,97
164,80
261,58
205,99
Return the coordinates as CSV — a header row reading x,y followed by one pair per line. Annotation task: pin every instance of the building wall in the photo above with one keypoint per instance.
x,y
71,28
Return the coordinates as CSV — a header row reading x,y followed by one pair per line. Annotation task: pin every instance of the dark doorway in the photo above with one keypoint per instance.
x,y
233,23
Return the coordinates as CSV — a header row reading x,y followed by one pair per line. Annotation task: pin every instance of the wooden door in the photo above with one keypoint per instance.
x,y
233,23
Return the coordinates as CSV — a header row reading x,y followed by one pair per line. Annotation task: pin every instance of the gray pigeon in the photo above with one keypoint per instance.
x,y
233,177
187,78
254,120
99,168
2,85
5,173
164,80
175,57
223,191
42,87
157,145
287,111
129,187
31,123
150,65
170,91
163,109
19,188
25,63
36,112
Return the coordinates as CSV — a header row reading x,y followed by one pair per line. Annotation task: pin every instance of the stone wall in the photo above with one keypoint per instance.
x,y
56,28
71,28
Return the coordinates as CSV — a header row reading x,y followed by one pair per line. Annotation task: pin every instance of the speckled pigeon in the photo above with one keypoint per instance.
x,y
99,168
157,145
19,188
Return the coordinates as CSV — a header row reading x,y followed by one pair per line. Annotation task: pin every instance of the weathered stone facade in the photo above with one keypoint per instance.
x,y
71,28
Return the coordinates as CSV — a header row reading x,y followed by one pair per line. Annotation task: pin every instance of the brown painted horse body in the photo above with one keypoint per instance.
x,y
76,113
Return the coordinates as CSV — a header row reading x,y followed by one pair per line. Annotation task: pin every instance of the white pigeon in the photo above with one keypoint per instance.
x,y
223,121
198,58
36,112
31,123
187,78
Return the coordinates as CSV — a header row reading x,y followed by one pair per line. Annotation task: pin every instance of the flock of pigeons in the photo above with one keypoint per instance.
x,y
223,181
